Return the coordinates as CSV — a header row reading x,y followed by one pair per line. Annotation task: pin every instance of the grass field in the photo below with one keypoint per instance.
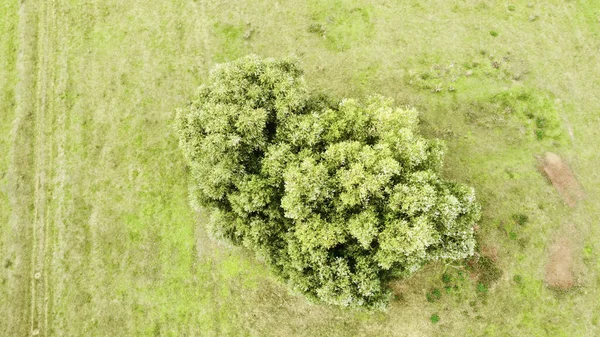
x,y
97,236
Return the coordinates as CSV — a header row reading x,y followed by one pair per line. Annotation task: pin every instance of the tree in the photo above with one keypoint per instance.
x,y
337,197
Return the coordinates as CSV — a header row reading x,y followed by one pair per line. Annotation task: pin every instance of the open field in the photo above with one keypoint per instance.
x,y
97,236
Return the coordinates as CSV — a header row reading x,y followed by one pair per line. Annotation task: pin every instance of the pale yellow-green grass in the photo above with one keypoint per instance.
x,y
97,236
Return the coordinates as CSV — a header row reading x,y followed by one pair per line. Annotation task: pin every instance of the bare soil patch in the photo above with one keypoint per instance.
x,y
562,178
491,252
560,270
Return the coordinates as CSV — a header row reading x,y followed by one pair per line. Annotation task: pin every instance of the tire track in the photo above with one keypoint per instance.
x,y
54,254
50,160
38,273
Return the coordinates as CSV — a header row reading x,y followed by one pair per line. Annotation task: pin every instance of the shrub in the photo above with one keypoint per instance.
x,y
434,318
446,278
486,269
338,197
518,279
521,218
434,295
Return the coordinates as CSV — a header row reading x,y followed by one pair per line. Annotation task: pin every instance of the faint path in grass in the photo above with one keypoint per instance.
x,y
31,171
55,241
38,273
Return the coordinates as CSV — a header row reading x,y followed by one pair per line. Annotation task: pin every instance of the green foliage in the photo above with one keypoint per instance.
x,y
521,218
486,91
446,278
232,38
518,279
342,24
434,318
434,295
337,197
486,269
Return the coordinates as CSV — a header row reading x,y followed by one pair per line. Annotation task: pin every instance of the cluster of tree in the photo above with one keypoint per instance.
x,y
338,197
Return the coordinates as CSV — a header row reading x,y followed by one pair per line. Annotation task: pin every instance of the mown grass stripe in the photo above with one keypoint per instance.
x,y
8,57
20,174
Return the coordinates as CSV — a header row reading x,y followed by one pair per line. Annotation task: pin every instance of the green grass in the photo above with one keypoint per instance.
x,y
94,191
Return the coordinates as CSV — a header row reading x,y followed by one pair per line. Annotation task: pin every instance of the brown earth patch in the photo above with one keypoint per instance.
x,y
560,270
491,252
562,178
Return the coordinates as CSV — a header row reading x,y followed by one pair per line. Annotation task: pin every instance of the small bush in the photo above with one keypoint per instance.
x,y
488,271
433,295
521,219
540,134
317,28
434,318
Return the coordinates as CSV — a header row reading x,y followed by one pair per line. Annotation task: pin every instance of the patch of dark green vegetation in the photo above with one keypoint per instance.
x,y
521,219
231,39
513,229
434,295
341,24
317,28
486,91
481,288
485,269
518,279
8,263
446,278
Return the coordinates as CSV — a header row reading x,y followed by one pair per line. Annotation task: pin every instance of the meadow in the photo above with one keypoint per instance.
x,y
97,235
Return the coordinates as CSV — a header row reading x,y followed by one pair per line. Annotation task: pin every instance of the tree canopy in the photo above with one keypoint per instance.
x,y
338,197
